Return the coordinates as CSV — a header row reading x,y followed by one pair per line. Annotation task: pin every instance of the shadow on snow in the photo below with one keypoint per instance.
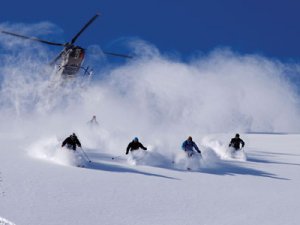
x,y
117,168
256,157
226,168
219,168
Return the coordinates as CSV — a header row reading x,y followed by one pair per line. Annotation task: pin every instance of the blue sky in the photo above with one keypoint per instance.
x,y
268,27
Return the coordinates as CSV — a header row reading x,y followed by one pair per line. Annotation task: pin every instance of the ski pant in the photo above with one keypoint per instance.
x,y
189,153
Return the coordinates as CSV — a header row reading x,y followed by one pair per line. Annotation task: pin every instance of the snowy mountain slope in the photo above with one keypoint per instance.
x,y
261,190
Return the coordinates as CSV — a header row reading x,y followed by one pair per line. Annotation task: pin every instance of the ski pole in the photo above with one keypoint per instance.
x,y
116,157
86,156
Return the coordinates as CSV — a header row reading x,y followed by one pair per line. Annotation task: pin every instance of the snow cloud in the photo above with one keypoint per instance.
x,y
158,98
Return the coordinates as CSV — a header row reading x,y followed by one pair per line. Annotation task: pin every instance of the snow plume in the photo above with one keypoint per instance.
x,y
222,150
5,222
160,99
49,149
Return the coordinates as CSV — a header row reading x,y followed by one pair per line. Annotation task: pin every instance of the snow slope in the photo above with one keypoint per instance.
x,y
261,190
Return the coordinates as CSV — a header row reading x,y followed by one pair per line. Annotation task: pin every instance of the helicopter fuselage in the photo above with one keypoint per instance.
x,y
71,61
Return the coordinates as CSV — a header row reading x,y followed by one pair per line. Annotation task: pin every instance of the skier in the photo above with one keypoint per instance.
x,y
71,142
236,142
189,145
134,145
93,121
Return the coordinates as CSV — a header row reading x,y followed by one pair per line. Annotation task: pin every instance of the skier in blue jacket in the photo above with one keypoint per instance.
x,y
189,145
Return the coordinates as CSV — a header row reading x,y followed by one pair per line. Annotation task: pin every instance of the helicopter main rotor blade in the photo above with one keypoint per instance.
x,y
32,38
118,55
82,29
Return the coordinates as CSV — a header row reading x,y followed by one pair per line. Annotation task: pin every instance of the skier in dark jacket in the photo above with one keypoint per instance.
x,y
134,145
236,142
71,142
189,145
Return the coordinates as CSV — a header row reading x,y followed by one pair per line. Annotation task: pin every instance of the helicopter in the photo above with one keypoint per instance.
x,y
71,57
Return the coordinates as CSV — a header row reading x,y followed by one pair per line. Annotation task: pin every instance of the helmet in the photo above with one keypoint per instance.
x,y
190,138
136,139
237,135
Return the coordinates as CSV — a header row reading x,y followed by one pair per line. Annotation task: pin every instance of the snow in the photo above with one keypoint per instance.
x,y
162,101
263,189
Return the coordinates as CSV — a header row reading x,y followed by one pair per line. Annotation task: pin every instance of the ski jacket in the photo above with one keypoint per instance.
x,y
236,142
134,145
189,146
71,142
